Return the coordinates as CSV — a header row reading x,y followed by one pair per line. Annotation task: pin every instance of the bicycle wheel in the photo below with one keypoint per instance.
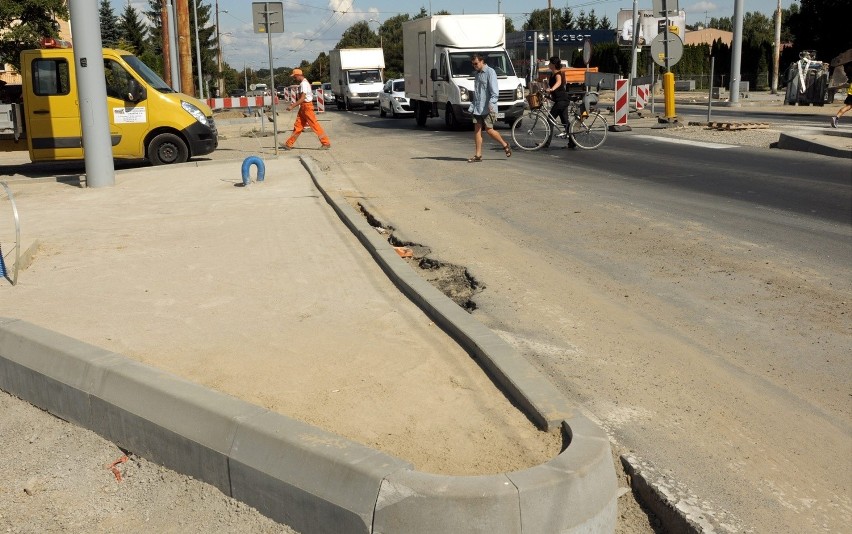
x,y
531,130
589,132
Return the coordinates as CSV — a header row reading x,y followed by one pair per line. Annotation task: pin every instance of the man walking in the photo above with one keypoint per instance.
x,y
305,116
483,106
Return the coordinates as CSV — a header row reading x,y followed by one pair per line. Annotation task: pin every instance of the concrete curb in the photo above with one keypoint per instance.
x,y
802,144
306,477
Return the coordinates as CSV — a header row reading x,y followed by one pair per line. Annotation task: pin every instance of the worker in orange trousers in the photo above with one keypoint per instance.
x,y
305,116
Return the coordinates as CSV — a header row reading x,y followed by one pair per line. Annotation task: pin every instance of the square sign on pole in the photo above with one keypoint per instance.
x,y
275,11
660,11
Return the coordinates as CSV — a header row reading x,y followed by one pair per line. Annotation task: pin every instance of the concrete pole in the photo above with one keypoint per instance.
x,y
198,52
91,90
166,43
173,59
221,80
736,53
184,49
776,50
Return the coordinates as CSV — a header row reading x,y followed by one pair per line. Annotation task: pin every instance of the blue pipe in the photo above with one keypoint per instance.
x,y
257,162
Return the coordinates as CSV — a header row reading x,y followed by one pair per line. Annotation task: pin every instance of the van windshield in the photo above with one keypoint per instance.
x,y
365,76
498,60
145,72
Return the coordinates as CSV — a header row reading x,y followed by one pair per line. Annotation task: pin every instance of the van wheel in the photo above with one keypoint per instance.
x,y
450,118
382,112
166,149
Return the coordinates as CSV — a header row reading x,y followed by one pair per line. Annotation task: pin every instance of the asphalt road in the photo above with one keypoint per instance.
x,y
694,299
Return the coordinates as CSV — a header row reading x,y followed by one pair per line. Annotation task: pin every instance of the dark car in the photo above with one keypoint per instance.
x,y
237,93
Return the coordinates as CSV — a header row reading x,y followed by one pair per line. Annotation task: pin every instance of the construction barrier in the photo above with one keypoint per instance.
x,y
642,96
241,102
622,101
320,101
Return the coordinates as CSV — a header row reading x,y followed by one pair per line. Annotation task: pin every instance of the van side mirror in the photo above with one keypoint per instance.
x,y
136,92
433,75
339,82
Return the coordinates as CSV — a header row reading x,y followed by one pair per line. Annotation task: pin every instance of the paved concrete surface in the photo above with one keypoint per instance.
x,y
309,478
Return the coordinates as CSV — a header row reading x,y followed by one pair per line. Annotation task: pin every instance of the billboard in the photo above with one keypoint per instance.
x,y
649,26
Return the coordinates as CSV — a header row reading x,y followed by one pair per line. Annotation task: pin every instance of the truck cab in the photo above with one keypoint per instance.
x,y
148,119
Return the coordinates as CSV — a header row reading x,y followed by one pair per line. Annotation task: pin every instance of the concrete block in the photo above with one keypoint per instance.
x,y
169,420
52,371
574,492
422,503
306,477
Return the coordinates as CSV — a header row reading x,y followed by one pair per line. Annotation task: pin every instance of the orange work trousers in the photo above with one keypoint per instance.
x,y
306,117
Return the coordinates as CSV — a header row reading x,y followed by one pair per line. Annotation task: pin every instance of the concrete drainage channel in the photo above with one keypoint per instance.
x,y
308,478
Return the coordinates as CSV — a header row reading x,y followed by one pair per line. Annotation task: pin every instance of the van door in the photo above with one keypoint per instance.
x,y
52,110
128,120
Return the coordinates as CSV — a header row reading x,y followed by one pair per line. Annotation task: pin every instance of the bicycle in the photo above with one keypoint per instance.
x,y
534,129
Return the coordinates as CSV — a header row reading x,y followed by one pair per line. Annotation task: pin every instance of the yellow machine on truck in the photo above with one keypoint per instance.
x,y
147,118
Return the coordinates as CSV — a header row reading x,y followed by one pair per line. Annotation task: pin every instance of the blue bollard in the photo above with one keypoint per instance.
x,y
257,162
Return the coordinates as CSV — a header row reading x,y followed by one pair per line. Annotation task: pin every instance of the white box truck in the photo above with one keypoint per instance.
x,y
356,76
438,75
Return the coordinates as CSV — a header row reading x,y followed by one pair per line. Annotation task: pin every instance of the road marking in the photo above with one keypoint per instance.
x,y
685,141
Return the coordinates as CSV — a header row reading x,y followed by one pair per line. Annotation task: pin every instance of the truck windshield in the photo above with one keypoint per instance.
x,y
498,60
145,72
365,76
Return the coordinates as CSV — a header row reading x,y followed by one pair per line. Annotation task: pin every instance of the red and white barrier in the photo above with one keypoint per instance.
x,y
241,102
642,96
320,101
622,101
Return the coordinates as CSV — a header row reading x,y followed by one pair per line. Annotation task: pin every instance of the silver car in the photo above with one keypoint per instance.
x,y
392,99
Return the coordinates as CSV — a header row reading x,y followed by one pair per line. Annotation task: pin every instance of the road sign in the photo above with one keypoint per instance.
x,y
671,5
587,51
275,10
658,50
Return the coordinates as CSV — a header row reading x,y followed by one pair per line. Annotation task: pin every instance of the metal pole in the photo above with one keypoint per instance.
x,y
534,63
91,90
272,79
198,52
736,52
776,49
173,60
630,89
550,28
710,96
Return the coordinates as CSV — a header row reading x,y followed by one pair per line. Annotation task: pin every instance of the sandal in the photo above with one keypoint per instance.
x,y
474,159
508,150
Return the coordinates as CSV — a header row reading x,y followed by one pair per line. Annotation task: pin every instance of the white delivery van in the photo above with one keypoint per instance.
x,y
356,76
438,74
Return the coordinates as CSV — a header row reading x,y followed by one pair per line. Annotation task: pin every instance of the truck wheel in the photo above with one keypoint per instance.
x,y
166,149
450,118
420,112
382,112
347,105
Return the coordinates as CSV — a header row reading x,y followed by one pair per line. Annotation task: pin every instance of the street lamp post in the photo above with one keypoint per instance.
x,y
379,32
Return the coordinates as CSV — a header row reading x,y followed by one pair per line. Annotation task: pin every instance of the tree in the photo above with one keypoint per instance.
x,y
538,19
359,35
723,23
207,42
821,25
510,25
591,21
132,31
582,21
109,25
604,23
24,22
155,35
392,33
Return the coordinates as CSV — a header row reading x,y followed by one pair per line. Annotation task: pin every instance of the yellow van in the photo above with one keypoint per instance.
x,y
147,118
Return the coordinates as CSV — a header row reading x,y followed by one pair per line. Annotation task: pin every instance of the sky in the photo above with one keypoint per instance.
x,y
313,26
